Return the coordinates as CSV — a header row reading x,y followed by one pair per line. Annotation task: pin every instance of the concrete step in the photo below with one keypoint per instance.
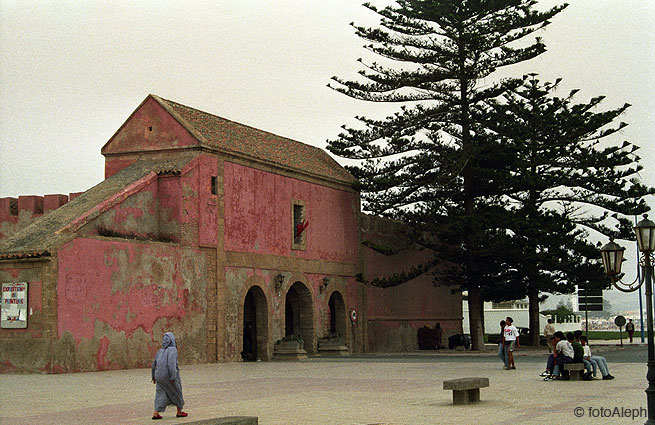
x,y
228,420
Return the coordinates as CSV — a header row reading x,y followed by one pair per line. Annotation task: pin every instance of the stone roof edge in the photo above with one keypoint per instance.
x,y
108,203
205,145
281,167
26,255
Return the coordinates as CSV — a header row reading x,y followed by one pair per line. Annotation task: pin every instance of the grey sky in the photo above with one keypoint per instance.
x,y
71,72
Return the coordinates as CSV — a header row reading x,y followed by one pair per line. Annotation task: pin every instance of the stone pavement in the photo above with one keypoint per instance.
x,y
359,390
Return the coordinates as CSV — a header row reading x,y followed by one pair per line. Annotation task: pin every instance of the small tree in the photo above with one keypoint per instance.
x,y
559,313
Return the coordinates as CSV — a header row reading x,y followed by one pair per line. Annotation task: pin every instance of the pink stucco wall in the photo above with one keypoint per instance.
x,y
208,208
169,206
109,291
395,314
258,216
150,128
126,285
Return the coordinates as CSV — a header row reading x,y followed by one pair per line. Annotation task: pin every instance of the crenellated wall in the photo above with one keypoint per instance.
x,y
17,213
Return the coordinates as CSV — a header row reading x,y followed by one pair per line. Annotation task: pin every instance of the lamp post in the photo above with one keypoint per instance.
x,y
612,255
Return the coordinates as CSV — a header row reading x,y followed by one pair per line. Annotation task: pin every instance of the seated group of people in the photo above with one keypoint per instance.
x,y
574,349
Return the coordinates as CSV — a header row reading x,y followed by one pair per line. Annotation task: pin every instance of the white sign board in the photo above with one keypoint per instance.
x,y
14,305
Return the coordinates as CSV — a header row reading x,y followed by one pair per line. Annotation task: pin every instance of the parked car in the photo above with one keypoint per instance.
x,y
524,337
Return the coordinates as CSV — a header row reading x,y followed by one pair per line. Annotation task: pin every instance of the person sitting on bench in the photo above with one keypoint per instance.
x,y
600,361
562,354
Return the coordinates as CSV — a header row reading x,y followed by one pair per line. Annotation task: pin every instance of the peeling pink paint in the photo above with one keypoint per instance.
x,y
258,216
113,294
150,128
102,354
86,295
208,222
110,202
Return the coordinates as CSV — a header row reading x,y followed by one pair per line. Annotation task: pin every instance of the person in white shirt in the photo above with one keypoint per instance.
x,y
511,341
549,331
501,344
590,365
562,354
599,361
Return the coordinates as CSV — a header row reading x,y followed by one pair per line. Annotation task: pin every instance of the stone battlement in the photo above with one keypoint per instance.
x,y
17,213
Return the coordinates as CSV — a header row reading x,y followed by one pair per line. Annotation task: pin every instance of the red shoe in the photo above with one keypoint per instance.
x,y
182,415
158,416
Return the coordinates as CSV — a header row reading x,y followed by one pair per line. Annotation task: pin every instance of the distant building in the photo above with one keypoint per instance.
x,y
495,312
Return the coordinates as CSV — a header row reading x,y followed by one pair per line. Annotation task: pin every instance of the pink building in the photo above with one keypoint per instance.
x,y
245,244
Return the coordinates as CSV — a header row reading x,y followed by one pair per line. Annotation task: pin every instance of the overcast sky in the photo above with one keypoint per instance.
x,y
73,71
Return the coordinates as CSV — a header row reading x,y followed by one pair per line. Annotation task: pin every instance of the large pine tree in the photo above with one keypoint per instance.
x,y
567,177
431,163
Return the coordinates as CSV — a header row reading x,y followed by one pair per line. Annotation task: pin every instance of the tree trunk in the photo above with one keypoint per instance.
x,y
482,327
533,298
475,318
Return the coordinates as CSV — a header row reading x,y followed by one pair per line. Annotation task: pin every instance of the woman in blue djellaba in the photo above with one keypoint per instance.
x,y
166,374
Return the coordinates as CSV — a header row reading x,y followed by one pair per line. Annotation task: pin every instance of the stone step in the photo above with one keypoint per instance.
x,y
227,420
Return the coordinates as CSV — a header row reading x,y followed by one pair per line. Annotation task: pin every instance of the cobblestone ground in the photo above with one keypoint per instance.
x,y
357,391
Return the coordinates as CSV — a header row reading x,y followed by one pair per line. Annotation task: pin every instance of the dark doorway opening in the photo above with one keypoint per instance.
x,y
299,316
337,308
255,326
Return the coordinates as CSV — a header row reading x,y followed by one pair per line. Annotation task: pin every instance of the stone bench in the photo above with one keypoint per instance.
x,y
466,390
574,369
228,420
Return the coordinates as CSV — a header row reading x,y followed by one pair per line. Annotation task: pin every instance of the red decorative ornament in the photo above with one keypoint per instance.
x,y
300,227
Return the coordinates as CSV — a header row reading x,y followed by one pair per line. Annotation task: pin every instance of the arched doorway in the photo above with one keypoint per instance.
x,y
299,315
337,312
255,326
335,327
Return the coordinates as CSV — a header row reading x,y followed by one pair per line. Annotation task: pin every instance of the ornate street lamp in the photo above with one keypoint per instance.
x,y
612,255
645,230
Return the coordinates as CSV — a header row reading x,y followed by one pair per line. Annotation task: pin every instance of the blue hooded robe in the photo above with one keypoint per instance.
x,y
166,373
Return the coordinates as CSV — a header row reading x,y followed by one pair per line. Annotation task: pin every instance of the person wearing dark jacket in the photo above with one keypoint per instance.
x,y
574,340
166,374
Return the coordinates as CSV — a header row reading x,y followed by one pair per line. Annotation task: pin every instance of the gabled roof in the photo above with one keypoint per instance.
x,y
229,136
57,227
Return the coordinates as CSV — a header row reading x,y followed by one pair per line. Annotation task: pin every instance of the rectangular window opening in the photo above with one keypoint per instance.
x,y
300,224
214,187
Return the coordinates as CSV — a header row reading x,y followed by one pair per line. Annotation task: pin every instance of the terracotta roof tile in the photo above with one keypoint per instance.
x,y
242,139
45,235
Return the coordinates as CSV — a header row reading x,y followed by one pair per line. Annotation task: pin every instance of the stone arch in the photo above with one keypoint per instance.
x,y
337,314
253,297
298,313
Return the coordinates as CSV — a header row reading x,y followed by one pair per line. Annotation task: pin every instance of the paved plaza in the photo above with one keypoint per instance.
x,y
382,389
